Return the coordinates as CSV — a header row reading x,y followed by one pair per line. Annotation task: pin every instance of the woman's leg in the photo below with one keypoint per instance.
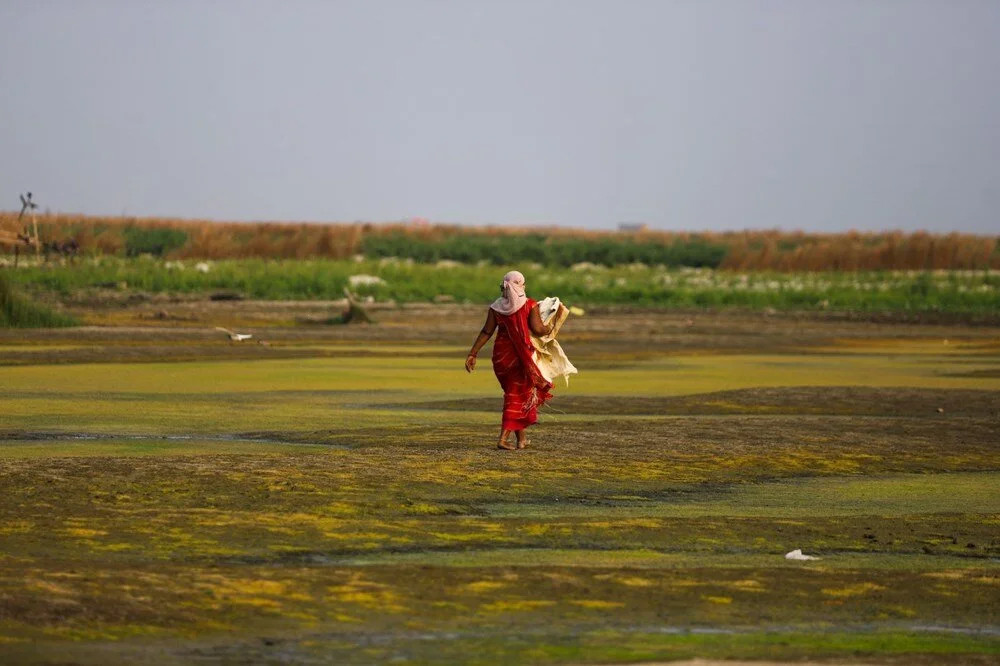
x,y
522,438
502,444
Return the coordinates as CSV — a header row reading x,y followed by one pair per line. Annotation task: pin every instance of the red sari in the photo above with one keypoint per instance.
x,y
524,387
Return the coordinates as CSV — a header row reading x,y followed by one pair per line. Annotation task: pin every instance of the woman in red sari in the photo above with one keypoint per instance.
x,y
514,316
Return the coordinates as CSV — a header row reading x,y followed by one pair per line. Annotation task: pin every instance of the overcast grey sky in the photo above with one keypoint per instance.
x,y
820,115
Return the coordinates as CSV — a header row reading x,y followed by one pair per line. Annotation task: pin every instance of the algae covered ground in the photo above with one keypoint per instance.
x,y
332,496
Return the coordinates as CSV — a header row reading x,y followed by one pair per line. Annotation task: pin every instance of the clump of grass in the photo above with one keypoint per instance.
x,y
18,312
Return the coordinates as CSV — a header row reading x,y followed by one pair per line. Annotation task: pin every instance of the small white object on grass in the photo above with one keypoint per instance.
x,y
233,335
363,280
797,555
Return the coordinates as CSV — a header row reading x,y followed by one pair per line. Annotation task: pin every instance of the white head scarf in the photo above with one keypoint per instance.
x,y
512,291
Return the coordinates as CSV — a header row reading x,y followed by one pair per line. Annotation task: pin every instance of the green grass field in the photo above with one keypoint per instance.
x,y
959,292
335,497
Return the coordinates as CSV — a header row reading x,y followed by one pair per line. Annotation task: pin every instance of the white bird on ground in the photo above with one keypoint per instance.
x,y
798,555
233,335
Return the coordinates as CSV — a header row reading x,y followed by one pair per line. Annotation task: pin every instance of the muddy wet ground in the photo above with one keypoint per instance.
x,y
332,496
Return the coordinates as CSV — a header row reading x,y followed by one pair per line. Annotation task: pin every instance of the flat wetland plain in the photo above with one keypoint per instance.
x,y
333,495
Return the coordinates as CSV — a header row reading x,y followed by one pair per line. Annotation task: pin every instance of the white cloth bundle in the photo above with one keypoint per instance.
x,y
549,356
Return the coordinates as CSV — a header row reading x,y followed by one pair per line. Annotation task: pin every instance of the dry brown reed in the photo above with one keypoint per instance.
x,y
746,250
853,251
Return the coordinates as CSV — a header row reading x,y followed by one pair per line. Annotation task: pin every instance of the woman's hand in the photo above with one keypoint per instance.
x,y
470,362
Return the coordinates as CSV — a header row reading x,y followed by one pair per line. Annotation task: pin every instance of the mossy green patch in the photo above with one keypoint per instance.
x,y
646,558
898,495
388,604
353,509
643,645
57,447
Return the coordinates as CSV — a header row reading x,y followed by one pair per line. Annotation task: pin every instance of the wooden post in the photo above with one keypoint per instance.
x,y
28,205
34,230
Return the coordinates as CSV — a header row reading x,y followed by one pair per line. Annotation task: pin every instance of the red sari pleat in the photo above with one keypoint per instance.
x,y
524,387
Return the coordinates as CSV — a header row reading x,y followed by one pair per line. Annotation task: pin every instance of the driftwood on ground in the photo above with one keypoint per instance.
x,y
355,312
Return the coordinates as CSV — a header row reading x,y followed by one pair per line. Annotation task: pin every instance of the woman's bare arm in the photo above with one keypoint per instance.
x,y
484,335
535,323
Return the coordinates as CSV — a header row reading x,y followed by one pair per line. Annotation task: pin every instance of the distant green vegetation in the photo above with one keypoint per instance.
x,y
156,241
634,284
19,312
545,249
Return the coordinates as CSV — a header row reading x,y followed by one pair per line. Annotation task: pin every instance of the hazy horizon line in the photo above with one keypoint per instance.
x,y
519,226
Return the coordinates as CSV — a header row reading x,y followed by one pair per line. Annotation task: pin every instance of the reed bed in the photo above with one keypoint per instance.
x,y
763,250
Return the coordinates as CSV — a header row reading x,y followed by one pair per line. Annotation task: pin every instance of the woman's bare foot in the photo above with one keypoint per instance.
x,y
522,440
505,446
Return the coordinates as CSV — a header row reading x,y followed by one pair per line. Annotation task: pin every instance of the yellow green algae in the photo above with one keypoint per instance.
x,y
351,510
